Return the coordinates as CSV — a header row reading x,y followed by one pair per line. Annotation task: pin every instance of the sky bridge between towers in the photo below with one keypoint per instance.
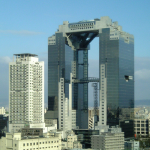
x,y
84,80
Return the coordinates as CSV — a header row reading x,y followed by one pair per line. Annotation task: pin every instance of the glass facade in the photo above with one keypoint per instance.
x,y
81,97
84,136
60,57
117,54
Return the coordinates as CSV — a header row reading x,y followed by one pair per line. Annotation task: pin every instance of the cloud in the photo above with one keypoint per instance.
x,y
142,68
21,32
142,63
143,74
142,78
5,60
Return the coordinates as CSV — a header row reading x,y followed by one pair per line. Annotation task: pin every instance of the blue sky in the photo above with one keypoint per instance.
x,y
40,19
26,25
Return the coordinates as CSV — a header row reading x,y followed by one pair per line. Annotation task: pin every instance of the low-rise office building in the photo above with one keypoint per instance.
x,y
71,142
141,127
14,141
84,136
111,140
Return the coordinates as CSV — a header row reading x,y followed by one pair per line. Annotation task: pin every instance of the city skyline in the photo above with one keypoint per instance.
x,y
33,35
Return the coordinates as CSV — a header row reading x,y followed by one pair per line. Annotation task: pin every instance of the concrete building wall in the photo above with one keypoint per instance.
x,y
111,140
26,92
91,122
74,119
108,141
141,127
16,142
71,142
3,143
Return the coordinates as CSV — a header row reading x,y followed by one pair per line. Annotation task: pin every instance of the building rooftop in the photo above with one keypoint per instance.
x,y
26,54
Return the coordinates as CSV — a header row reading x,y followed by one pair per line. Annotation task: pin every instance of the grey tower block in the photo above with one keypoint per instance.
x,y
68,53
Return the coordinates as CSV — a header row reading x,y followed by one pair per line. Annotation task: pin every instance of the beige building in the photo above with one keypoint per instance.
x,y
71,142
50,122
141,127
111,140
63,145
91,113
91,122
2,111
14,141
3,143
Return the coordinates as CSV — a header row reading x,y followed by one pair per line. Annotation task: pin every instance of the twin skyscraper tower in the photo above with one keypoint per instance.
x,y
68,73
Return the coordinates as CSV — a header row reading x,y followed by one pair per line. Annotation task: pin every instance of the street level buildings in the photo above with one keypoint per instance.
x,y
84,136
111,140
14,141
142,127
71,142
132,145
26,92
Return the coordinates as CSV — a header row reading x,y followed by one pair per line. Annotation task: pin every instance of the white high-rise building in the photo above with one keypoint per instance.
x,y
26,92
2,111
65,107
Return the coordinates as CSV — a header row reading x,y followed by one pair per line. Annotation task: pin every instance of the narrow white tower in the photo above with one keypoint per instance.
x,y
26,92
